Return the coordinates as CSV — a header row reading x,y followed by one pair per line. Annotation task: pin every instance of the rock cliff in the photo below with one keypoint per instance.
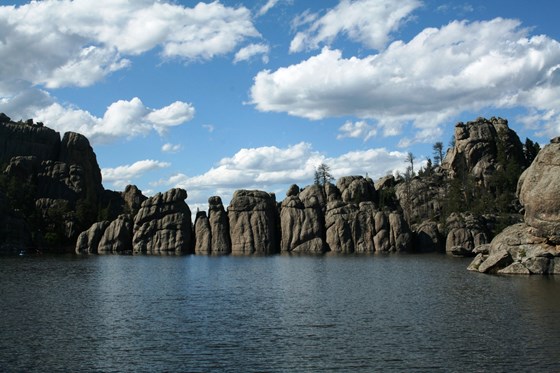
x,y
531,247
59,181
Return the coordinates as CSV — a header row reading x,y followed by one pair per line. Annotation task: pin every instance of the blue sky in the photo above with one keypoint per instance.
x,y
224,95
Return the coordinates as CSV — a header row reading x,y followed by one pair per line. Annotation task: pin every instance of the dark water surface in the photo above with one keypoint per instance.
x,y
292,314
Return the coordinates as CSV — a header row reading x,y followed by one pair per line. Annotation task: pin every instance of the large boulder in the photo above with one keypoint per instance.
x,y
163,224
302,224
539,193
253,222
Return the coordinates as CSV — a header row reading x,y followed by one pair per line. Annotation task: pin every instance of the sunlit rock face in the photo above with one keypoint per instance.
x,y
476,148
253,223
532,247
163,224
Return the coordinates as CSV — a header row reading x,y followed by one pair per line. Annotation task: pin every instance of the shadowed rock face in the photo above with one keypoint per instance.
x,y
253,222
163,224
20,139
532,247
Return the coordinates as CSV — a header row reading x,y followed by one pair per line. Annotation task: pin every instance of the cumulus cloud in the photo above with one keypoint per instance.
x,y
369,22
122,176
80,49
441,72
273,169
252,50
121,119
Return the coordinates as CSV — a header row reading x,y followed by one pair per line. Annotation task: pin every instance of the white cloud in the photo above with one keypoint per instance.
x,y
369,22
77,43
438,74
266,7
171,148
122,176
360,129
273,169
122,119
252,50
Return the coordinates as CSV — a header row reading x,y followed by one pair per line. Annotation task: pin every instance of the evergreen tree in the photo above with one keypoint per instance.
x,y
438,153
530,149
323,175
410,159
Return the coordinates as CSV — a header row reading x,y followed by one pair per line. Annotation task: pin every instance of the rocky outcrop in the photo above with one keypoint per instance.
x,y
532,247
219,226
76,152
477,146
539,193
163,224
356,189
132,198
117,237
88,241
358,226
465,232
253,223
302,222
202,234
27,139
428,237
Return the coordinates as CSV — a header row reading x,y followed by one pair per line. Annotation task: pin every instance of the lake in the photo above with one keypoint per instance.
x,y
422,313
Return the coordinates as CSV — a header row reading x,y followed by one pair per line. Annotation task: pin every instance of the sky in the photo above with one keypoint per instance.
x,y
255,94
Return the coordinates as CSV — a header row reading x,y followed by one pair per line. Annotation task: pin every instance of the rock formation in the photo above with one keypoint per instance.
x,y
532,247
302,222
465,232
253,223
117,237
477,146
202,234
219,226
163,224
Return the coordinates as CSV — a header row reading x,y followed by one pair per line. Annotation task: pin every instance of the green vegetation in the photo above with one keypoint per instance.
x,y
323,175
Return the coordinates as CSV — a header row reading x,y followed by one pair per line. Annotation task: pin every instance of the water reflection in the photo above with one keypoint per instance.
x,y
279,313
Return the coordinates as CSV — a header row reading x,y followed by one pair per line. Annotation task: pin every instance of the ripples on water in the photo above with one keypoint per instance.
x,y
200,314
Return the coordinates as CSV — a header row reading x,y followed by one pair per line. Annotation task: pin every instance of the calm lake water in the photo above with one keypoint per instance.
x,y
278,313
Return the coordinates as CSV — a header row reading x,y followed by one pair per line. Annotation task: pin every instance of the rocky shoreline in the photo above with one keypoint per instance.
x,y
61,205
